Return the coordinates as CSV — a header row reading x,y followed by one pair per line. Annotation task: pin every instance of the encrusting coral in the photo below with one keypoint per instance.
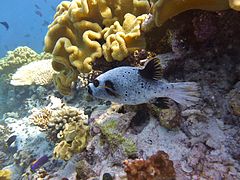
x,y
83,31
157,167
5,174
39,72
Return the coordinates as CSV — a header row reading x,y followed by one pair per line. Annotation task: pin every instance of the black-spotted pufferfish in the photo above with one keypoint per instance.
x,y
134,85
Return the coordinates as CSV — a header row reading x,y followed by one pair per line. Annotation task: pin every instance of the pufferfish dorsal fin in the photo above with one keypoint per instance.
x,y
152,69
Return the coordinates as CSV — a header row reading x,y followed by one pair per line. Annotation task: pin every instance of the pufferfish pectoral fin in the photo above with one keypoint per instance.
x,y
152,70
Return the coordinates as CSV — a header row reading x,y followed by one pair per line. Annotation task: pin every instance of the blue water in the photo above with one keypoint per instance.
x,y
25,26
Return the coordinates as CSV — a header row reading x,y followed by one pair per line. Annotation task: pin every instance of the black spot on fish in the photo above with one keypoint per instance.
x,y
89,90
109,84
11,140
5,24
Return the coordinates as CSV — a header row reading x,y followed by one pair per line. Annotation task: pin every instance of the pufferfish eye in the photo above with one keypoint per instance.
x,y
95,83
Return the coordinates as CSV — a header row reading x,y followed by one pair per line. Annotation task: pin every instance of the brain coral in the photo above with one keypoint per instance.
x,y
38,72
84,30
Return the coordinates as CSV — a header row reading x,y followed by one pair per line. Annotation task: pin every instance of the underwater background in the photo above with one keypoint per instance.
x,y
28,23
120,90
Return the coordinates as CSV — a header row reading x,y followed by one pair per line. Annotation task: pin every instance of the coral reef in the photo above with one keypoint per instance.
x,y
18,57
156,167
53,121
5,174
66,126
39,73
83,31
164,10
9,95
74,140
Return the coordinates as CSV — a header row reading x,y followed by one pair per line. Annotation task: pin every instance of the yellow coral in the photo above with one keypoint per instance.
x,y
166,9
120,40
5,174
74,140
39,72
235,4
79,29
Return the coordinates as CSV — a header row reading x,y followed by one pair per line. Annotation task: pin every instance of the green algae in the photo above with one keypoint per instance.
x,y
117,139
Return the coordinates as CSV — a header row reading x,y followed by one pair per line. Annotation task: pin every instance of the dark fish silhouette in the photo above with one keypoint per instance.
x,y
45,23
5,24
38,163
11,140
37,12
27,35
36,6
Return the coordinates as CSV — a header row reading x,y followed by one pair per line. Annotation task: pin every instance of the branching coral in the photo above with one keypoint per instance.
x,y
66,125
81,27
39,72
157,167
54,121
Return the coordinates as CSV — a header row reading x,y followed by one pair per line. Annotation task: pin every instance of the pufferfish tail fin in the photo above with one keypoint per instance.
x,y
184,93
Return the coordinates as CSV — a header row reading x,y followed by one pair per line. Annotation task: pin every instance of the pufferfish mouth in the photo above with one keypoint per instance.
x,y
90,90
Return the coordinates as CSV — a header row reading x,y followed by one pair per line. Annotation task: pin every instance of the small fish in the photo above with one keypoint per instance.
x,y
38,163
36,6
134,85
5,24
45,23
27,35
37,12
11,140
